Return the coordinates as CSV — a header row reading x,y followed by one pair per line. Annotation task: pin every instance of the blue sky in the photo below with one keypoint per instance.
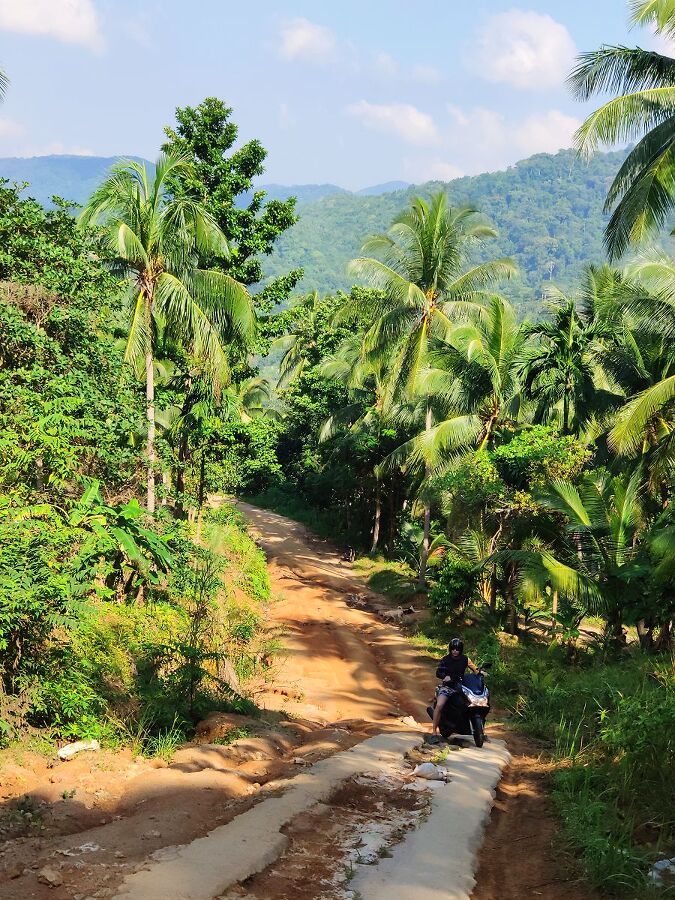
x,y
353,93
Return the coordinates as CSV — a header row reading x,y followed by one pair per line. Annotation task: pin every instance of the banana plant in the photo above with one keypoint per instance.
x,y
118,535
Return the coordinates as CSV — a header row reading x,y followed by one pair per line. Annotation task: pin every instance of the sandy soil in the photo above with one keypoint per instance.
x,y
73,831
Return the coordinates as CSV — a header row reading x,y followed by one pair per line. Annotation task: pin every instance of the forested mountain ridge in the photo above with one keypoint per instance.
x,y
72,177
547,209
75,177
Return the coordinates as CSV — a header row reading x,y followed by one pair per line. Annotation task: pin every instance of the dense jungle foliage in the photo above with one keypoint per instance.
x,y
513,475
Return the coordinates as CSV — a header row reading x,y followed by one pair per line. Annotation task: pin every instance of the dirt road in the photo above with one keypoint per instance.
x,y
339,664
326,636
75,831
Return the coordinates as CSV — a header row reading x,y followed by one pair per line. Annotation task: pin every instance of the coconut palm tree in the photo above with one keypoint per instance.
x,y
563,371
643,109
421,269
155,241
472,384
646,424
300,344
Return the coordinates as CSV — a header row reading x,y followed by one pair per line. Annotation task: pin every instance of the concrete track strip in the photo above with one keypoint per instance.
x,y
438,860
205,868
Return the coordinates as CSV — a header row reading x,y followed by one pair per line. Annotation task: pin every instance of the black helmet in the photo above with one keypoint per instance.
x,y
456,644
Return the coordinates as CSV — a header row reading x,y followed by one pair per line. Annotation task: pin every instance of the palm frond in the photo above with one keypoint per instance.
x,y
659,14
646,199
227,301
620,70
630,433
185,318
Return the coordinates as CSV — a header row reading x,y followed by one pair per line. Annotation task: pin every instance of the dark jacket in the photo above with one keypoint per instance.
x,y
452,667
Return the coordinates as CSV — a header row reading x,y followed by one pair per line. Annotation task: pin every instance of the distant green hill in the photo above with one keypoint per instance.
x,y
75,177
548,210
71,177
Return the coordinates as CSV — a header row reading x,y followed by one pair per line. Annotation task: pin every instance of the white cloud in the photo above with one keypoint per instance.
x,y
50,149
286,117
304,40
421,169
483,128
406,121
524,49
71,21
139,28
660,42
386,65
546,133
426,75
58,147
481,139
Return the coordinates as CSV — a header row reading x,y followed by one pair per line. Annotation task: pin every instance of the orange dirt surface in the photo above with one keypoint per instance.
x,y
75,830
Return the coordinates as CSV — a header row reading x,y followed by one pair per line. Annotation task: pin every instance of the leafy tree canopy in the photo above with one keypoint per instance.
x,y
222,179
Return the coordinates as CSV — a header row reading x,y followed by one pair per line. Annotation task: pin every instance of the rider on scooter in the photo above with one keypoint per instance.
x,y
450,670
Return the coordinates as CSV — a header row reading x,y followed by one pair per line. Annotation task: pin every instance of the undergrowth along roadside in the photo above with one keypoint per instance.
x,y
141,674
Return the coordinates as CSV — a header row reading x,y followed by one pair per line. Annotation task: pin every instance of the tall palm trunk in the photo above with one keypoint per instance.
x,y
493,590
378,515
424,555
567,395
180,474
150,405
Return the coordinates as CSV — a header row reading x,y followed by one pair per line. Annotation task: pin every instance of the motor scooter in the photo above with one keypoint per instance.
x,y
466,708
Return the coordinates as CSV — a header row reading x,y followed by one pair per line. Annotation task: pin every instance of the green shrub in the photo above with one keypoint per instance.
x,y
489,650
455,587
539,454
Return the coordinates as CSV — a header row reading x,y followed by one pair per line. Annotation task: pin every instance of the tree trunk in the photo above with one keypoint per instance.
x,y
166,486
201,492
391,524
150,404
615,629
645,632
378,515
554,611
39,474
493,590
510,598
665,639
424,555
180,475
